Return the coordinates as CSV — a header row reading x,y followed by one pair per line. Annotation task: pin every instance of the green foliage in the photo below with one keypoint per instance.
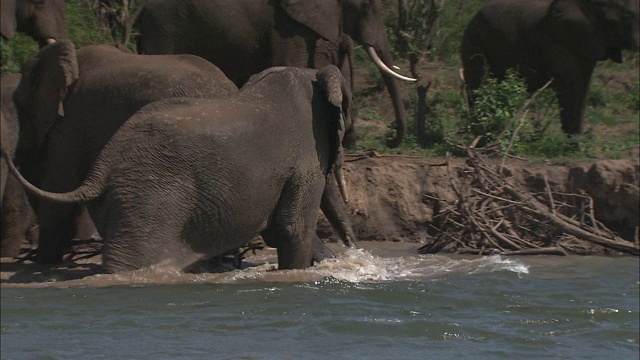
x,y
613,102
502,115
632,99
84,29
495,104
441,123
449,28
15,52
84,25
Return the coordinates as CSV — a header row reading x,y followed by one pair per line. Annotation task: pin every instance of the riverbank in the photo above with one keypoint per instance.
x,y
402,200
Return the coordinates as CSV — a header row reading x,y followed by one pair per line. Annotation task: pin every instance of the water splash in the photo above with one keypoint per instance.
x,y
358,265
352,265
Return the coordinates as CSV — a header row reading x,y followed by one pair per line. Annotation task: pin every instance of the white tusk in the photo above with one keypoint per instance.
x,y
395,67
342,184
381,65
50,40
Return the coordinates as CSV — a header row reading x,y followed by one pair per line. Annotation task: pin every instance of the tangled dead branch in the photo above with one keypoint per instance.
x,y
495,215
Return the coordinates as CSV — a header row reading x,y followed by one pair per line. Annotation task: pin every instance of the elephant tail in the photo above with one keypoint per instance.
x,y
90,189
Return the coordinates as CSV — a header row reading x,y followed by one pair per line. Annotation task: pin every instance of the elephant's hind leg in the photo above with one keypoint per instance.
x,y
144,237
293,225
18,220
57,227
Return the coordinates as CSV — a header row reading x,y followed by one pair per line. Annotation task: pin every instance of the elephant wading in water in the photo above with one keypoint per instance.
x,y
244,37
186,179
43,20
18,221
545,39
70,104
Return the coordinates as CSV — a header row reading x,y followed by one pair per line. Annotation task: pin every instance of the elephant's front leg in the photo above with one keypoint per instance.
x,y
571,86
320,251
293,226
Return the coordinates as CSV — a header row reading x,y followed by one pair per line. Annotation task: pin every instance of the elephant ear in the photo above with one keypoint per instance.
x,y
338,95
8,19
324,16
44,85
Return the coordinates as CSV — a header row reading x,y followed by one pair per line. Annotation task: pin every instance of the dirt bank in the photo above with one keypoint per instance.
x,y
401,199
396,198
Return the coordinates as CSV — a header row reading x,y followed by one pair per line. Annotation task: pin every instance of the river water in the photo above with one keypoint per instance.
x,y
383,302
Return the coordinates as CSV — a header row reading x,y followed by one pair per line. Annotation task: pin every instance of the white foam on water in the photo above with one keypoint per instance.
x,y
352,265
358,265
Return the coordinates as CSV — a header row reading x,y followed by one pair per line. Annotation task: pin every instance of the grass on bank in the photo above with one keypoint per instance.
x,y
611,121
611,124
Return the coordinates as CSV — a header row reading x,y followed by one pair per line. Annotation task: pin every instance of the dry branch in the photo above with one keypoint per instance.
x,y
494,215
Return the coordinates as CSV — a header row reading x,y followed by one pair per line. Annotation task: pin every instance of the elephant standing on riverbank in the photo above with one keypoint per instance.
x,y
549,39
244,37
43,20
186,179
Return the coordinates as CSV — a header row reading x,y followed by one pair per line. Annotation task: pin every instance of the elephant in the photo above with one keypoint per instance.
x,y
186,179
97,89
43,20
10,124
244,37
17,217
549,39
70,103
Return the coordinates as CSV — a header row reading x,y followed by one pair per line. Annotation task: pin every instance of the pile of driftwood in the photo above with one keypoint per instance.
x,y
495,215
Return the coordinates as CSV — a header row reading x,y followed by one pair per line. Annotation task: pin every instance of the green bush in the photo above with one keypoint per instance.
x,y
15,52
84,29
495,104
497,117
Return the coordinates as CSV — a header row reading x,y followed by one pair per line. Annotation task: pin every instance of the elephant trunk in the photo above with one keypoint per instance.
x,y
90,189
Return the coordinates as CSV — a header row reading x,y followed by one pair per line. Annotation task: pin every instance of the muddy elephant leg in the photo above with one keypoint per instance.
x,y
19,224
320,251
335,210
293,227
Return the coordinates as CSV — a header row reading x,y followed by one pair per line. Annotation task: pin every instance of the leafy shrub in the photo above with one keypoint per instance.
x,y
15,52
495,104
497,117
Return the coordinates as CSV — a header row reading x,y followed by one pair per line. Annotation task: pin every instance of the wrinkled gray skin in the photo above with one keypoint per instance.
x,y
10,125
17,219
43,20
56,151
111,87
244,37
186,179
544,39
